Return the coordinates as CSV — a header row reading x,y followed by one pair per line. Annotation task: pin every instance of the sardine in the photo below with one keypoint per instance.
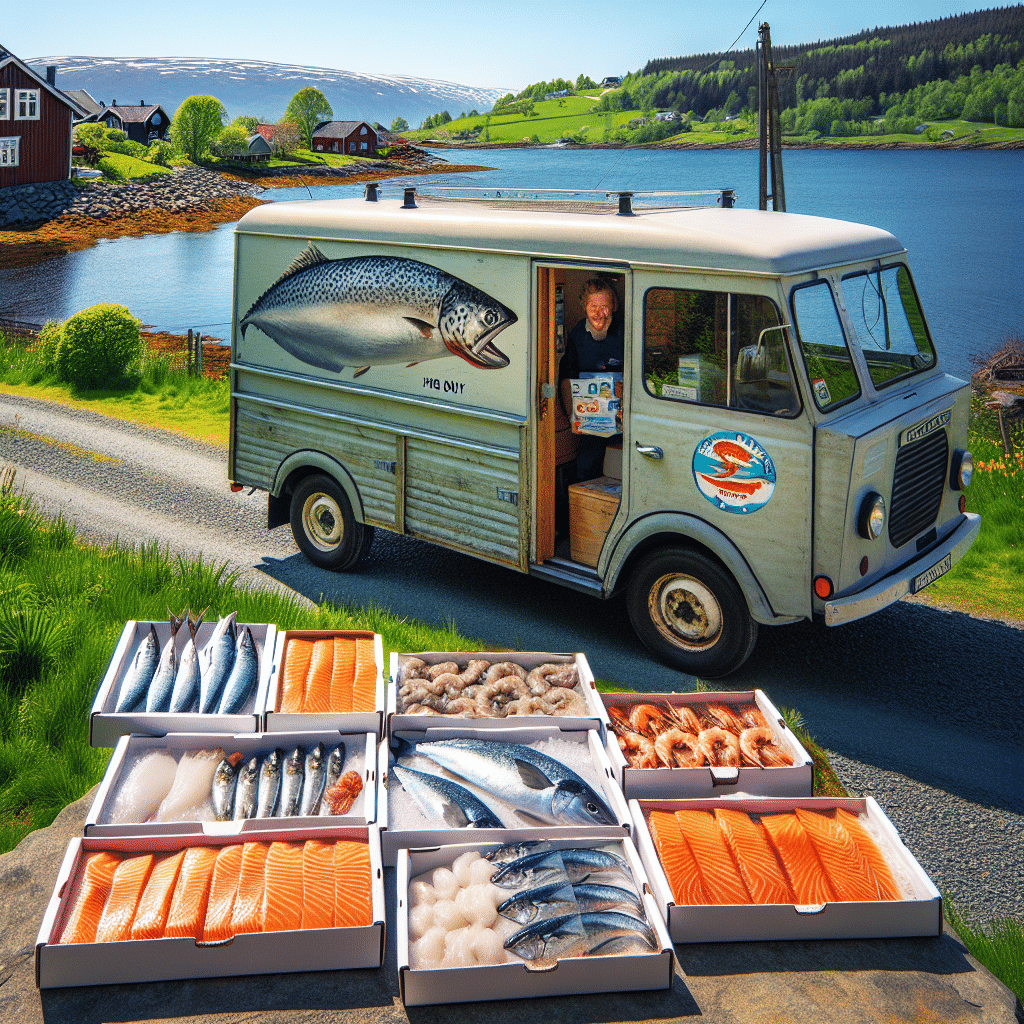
x,y
291,784
578,865
530,781
215,663
241,683
269,784
447,800
548,900
186,683
371,310
335,765
246,790
222,793
158,698
313,785
139,675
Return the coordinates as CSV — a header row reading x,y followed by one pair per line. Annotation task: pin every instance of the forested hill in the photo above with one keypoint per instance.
x,y
874,65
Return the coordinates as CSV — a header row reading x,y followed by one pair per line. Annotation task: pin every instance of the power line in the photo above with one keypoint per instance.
x,y
718,60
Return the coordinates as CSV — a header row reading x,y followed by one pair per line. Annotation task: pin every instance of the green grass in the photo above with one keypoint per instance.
x,y
127,168
999,946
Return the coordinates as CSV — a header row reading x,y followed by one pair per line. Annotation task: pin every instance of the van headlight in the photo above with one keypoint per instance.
x,y
871,518
961,469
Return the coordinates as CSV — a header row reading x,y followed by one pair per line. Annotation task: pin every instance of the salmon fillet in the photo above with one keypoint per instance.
x,y
223,890
718,872
129,881
886,886
191,892
248,913
317,696
353,906
97,876
800,860
364,686
760,870
282,895
343,675
677,860
845,865
155,903
297,656
317,884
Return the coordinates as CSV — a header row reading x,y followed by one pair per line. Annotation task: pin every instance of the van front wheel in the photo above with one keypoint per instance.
x,y
690,613
324,527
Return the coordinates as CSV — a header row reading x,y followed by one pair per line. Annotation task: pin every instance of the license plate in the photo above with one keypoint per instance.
x,y
931,575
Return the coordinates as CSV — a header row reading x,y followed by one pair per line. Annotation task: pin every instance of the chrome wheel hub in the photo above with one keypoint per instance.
x,y
685,611
321,519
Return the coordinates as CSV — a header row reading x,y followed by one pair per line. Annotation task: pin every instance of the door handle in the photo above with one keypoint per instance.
x,y
650,451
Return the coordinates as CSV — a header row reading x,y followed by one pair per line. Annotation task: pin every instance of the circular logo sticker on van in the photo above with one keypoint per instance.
x,y
734,472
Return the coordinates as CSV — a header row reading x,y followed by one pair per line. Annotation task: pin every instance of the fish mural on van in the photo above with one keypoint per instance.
x,y
734,472
368,311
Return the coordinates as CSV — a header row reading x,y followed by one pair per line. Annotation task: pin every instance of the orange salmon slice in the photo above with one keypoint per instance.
x,y
798,857
677,860
885,883
223,889
97,878
364,684
718,872
297,657
247,915
317,884
343,674
130,879
353,906
761,872
317,698
282,897
845,864
191,892
155,903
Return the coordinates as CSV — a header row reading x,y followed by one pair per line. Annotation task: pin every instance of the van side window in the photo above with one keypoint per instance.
x,y
823,344
884,311
717,348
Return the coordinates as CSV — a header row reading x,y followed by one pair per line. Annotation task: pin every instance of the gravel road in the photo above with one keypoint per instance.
x,y
901,730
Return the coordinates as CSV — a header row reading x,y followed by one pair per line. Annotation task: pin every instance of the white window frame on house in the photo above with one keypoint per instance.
x,y
10,152
26,100
5,104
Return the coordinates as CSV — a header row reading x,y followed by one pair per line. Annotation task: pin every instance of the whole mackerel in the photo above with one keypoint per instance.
x,y
269,784
215,663
577,863
246,790
447,800
186,682
291,784
241,683
158,697
139,675
579,935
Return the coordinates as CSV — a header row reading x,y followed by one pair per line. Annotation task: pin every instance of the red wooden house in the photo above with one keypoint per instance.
x,y
35,125
358,138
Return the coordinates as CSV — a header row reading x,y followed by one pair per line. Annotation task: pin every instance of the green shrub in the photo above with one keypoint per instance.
x,y
100,345
159,153
46,346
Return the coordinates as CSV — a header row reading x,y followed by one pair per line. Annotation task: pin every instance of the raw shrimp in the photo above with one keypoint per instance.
x,y
560,700
501,669
497,695
759,747
721,748
543,677
678,749
639,750
461,706
413,668
442,668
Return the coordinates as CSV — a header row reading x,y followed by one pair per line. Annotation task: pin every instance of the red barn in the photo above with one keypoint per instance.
x,y
35,125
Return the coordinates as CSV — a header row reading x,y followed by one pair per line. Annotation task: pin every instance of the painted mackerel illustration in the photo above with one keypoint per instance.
x,y
371,310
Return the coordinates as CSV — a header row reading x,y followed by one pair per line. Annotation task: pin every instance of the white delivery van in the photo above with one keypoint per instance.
x,y
790,444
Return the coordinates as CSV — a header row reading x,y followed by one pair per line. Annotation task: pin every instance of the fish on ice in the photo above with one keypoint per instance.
x,y
138,677
441,798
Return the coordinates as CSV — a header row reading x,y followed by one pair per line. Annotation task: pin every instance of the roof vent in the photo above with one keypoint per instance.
x,y
410,199
370,192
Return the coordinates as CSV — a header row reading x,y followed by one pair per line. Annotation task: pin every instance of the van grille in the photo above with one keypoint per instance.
x,y
917,485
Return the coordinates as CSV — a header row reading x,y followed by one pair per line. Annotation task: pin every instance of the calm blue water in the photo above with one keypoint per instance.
x,y
960,215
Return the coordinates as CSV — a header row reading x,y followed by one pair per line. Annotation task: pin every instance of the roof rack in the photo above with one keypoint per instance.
x,y
584,200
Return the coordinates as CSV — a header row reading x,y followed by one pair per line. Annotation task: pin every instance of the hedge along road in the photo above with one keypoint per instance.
x,y
932,695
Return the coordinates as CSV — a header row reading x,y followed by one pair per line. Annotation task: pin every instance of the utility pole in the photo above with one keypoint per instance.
x,y
769,130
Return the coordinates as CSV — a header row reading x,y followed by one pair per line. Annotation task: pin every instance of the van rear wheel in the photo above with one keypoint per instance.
x,y
690,613
324,527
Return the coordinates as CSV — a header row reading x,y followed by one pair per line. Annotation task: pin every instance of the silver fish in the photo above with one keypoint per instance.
x,y
335,764
444,799
513,851
530,781
186,682
371,310
158,697
139,675
579,935
577,864
269,785
242,681
313,786
246,790
222,793
613,927
215,662
291,784
593,896
548,900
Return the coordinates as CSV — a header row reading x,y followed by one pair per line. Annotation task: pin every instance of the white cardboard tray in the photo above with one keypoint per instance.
x,y
106,725
109,963
351,721
392,840
918,915
570,975
363,811
691,783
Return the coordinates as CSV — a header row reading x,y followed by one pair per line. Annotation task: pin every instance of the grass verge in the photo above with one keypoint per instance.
x,y
999,946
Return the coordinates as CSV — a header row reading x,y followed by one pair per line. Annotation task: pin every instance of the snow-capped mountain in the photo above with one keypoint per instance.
x,y
263,89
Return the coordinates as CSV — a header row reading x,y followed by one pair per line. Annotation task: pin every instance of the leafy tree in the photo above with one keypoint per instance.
x,y
399,125
247,122
232,141
196,123
286,137
307,109
585,82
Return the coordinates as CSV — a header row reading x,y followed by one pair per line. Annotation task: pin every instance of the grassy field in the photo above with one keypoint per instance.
x,y
127,168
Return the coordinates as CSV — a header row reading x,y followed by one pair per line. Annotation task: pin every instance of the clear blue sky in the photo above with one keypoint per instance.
x,y
502,45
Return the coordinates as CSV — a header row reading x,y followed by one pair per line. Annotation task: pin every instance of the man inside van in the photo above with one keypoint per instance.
x,y
595,344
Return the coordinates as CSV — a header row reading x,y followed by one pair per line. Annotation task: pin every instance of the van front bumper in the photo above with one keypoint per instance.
x,y
889,590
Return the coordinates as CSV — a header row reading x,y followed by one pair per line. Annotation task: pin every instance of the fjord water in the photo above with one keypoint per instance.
x,y
960,215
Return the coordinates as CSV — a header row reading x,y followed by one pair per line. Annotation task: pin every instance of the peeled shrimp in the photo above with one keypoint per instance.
x,y
678,749
758,746
721,748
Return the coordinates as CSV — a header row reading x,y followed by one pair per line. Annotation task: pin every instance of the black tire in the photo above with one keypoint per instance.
x,y
324,527
706,630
